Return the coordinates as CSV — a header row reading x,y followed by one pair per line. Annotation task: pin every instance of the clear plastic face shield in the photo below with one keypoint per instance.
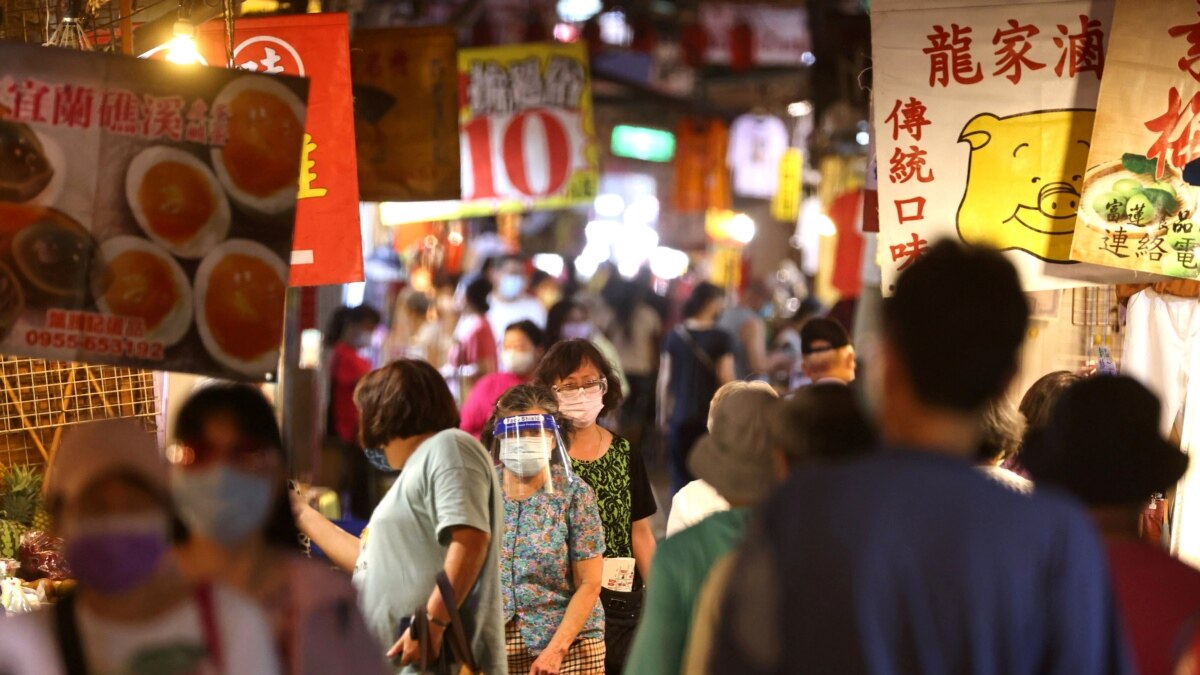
x,y
531,454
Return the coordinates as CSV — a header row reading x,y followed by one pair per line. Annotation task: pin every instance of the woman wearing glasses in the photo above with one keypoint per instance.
x,y
579,376
229,480
551,560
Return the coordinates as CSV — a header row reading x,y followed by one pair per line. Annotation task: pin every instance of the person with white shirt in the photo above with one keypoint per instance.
x,y
698,500
510,303
133,612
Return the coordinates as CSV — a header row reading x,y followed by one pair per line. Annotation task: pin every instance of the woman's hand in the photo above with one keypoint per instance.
x,y
300,506
409,649
548,662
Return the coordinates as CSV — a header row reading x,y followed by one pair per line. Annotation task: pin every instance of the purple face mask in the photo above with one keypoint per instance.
x,y
117,554
577,330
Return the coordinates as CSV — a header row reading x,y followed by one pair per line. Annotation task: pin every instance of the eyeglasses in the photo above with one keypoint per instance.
x,y
573,392
197,454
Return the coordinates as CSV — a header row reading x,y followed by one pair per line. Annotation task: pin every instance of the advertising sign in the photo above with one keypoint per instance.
x,y
983,119
328,244
146,211
406,113
1139,197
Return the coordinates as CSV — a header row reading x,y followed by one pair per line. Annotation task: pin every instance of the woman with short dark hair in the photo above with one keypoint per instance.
x,y
444,513
580,378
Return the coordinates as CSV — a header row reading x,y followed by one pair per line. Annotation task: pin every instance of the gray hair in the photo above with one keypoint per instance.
x,y
526,397
1002,428
733,387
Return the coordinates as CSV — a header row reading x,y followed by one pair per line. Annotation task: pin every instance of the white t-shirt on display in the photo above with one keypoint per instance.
x,y
171,644
504,313
757,143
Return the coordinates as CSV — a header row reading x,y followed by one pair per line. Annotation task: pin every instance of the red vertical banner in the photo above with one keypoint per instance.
x,y
327,248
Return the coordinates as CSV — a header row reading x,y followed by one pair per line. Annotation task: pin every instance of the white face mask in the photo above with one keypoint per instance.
x,y
516,361
582,411
525,457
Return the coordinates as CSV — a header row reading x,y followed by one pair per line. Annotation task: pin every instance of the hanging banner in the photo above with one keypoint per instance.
x,y
527,132
780,34
983,118
328,244
406,113
148,220
1139,194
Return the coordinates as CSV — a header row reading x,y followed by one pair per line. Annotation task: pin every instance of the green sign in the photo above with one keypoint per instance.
x,y
644,143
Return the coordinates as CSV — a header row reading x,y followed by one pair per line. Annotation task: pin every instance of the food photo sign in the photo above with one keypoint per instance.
x,y
983,116
1139,194
146,211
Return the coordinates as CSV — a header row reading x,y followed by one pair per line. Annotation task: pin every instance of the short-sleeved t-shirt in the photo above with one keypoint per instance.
x,y
171,644
544,536
914,562
623,493
693,382
448,482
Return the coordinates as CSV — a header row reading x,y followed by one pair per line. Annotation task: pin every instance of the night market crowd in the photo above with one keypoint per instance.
x,y
907,518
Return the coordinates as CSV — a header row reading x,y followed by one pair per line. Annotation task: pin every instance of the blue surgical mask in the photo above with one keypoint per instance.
x,y
511,286
378,459
222,503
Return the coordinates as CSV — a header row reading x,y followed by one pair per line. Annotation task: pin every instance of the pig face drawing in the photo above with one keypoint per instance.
x,y
1024,181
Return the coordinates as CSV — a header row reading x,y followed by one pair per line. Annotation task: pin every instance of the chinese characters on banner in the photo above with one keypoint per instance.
x,y
150,220
527,130
328,245
1139,201
406,113
983,118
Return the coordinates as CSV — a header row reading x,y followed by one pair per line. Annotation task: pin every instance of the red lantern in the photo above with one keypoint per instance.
x,y
591,36
481,33
694,43
645,36
741,46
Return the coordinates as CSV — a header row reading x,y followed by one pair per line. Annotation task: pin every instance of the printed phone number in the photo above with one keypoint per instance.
x,y
113,346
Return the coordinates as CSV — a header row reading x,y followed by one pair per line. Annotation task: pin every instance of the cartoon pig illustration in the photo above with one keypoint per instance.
x,y
1024,180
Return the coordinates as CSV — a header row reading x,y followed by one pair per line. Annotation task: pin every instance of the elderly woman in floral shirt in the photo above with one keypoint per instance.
x,y
552,554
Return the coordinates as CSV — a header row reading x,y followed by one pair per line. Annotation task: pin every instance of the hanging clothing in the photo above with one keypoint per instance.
x,y
1162,349
756,146
701,181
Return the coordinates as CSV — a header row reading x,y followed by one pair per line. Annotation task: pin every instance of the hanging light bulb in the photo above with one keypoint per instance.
x,y
182,48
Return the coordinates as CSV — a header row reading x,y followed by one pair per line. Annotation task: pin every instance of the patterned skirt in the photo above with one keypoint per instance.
x,y
586,656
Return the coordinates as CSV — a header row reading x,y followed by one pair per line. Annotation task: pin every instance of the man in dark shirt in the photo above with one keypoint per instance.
x,y
911,561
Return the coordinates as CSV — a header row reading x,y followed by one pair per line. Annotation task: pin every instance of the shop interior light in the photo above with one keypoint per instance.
x,y
402,213
609,205
578,10
310,348
353,294
808,58
644,143
589,261
668,263
742,228
632,248
550,263
800,108
862,137
566,32
615,29
642,211
182,48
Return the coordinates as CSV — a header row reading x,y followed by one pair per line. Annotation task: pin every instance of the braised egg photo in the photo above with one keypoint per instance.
x,y
135,278
177,201
265,125
240,290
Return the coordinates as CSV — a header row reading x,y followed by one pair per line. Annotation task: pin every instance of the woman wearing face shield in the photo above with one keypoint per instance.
x,y
551,560
229,479
133,611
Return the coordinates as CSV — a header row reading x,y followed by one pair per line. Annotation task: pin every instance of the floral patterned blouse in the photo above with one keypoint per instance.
x,y
543,536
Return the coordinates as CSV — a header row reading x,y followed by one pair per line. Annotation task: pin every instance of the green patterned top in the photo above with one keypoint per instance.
x,y
623,493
